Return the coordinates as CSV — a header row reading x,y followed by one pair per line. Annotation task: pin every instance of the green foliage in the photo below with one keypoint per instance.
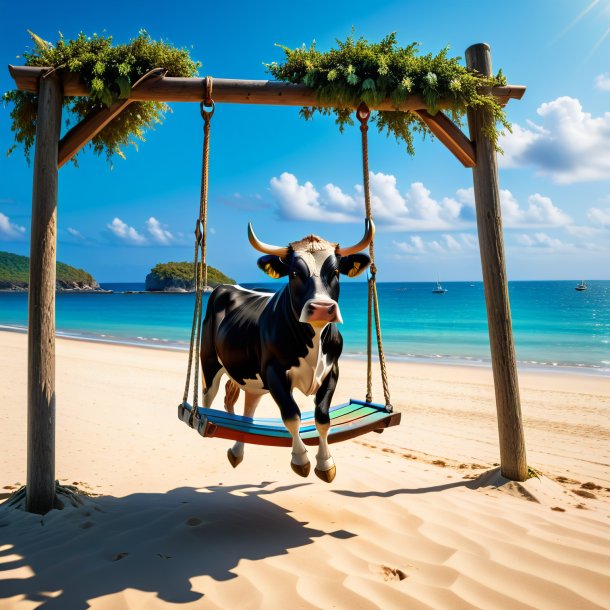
x,y
533,473
359,71
16,268
184,271
108,71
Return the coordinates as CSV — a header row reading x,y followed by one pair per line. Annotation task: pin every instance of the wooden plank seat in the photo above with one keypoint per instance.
x,y
346,421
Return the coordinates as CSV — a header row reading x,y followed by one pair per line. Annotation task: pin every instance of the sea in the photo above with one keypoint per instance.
x,y
555,326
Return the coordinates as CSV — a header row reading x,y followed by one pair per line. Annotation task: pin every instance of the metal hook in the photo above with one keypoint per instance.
x,y
207,106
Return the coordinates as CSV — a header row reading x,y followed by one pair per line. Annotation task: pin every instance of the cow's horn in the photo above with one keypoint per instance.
x,y
265,248
369,233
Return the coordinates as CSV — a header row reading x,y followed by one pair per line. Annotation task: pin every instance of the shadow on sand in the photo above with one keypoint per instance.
x,y
488,479
153,542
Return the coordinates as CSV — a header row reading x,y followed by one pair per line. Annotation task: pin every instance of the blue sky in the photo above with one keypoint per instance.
x,y
291,178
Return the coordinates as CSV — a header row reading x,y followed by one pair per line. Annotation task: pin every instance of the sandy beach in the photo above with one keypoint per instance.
x,y
417,517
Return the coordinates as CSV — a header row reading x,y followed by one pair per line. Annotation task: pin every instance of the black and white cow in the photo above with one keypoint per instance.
x,y
286,341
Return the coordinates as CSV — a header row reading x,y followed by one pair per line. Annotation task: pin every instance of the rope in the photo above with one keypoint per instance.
x,y
200,269
362,114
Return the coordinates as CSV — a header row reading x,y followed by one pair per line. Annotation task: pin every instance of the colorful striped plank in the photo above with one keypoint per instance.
x,y
346,421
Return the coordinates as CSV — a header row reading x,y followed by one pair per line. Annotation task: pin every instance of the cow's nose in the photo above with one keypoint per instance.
x,y
321,312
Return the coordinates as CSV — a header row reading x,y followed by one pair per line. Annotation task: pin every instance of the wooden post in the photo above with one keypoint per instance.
x,y
40,489
489,225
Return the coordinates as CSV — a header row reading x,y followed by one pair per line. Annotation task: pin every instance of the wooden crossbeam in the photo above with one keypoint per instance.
x,y
232,91
451,136
91,125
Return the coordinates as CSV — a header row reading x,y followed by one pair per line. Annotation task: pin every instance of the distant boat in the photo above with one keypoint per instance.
x,y
582,286
439,289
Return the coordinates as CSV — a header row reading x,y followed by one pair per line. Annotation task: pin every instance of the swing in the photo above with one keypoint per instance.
x,y
348,420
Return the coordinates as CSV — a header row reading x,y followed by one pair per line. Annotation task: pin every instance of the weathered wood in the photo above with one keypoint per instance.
x,y
40,489
83,132
233,91
451,136
489,224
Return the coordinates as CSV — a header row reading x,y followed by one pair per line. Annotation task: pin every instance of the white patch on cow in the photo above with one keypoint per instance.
x,y
256,292
314,260
308,375
209,394
253,386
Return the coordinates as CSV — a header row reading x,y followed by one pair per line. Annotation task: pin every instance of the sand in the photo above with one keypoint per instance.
x,y
418,517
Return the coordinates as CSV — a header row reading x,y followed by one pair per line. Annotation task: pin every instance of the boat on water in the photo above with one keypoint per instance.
x,y
439,289
582,286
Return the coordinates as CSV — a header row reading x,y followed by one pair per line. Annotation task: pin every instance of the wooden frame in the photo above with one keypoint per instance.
x,y
475,152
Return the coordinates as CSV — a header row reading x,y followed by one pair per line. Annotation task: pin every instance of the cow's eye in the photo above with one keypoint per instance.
x,y
293,275
337,272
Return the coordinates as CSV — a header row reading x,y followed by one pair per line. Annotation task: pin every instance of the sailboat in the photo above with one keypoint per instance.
x,y
582,286
439,289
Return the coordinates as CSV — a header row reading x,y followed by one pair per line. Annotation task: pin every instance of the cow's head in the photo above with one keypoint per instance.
x,y
313,266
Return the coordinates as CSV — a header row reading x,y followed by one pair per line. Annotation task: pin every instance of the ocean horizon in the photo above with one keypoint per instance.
x,y
555,327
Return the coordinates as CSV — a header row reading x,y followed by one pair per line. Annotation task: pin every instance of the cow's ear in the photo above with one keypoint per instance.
x,y
354,264
273,266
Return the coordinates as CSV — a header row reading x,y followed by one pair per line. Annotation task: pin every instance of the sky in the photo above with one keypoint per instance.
x,y
291,178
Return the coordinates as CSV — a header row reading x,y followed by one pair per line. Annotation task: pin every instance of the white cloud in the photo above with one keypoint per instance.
x,y
416,245
541,212
415,210
602,81
157,232
545,242
335,196
126,233
470,241
8,229
451,243
302,201
599,216
570,146
447,244
75,233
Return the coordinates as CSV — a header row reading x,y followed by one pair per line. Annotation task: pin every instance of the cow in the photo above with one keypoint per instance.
x,y
285,341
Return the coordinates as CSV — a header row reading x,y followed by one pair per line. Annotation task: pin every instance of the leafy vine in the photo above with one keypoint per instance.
x,y
360,71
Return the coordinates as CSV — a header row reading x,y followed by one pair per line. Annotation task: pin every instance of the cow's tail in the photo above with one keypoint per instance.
x,y
231,395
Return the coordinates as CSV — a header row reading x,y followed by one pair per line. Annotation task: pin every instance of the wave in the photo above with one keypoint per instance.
x,y
446,359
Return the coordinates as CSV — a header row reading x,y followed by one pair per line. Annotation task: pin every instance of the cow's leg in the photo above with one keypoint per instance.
x,y
236,453
231,396
291,416
211,376
325,465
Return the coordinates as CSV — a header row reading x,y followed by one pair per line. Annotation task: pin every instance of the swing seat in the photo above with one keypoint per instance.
x,y
346,421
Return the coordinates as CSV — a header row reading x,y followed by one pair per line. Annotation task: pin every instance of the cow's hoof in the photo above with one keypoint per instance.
x,y
235,460
302,470
326,475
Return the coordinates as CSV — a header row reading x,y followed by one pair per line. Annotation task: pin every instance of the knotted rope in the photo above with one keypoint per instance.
x,y
200,269
362,114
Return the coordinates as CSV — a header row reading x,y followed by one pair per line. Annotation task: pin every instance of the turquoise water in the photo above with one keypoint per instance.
x,y
554,325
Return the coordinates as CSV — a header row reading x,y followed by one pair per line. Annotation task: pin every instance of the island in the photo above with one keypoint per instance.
x,y
15,276
179,277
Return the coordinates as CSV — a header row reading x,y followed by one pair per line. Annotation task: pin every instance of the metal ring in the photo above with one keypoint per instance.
x,y
363,113
205,113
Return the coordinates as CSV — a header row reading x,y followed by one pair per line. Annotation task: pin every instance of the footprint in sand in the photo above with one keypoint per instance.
x,y
193,521
86,525
583,493
120,556
388,573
